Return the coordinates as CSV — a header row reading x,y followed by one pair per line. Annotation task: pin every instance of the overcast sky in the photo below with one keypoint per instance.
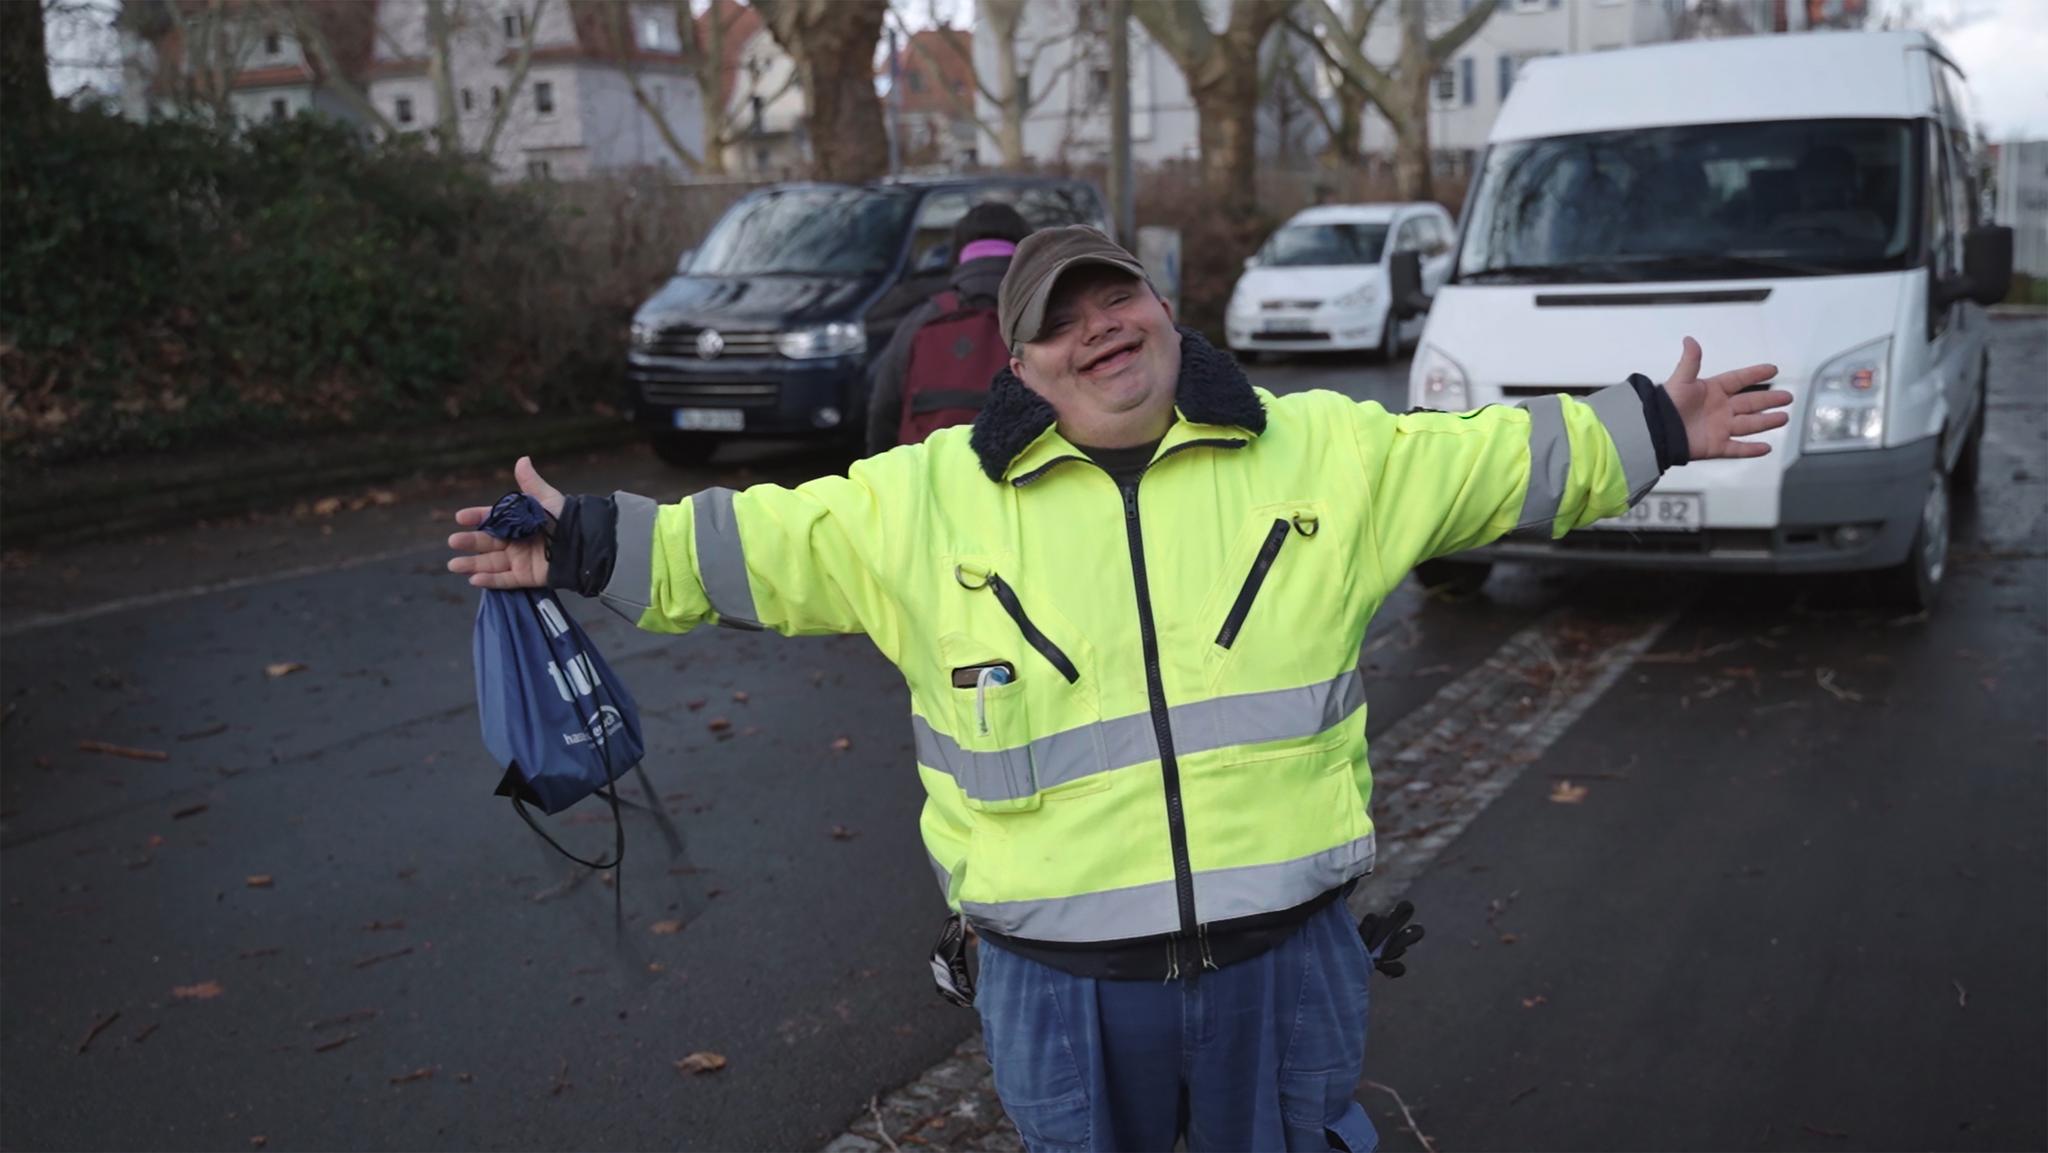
x,y
2001,44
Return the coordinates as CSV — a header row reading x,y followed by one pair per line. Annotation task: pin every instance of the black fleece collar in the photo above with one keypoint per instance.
x,y
1212,390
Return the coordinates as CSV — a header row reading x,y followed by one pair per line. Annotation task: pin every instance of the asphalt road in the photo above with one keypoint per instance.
x,y
1783,910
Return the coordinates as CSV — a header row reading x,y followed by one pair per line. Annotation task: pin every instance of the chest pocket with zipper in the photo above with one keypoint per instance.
x,y
1022,706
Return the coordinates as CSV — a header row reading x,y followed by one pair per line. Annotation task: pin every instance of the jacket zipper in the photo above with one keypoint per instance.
x,y
1007,597
1155,687
1242,607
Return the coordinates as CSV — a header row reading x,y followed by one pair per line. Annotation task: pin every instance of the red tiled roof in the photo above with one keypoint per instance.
x,y
740,22
604,32
944,71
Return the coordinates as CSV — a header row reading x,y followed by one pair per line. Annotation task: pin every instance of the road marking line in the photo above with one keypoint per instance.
x,y
1434,771
42,621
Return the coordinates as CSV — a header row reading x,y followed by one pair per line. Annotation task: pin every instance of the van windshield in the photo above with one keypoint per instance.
x,y
807,231
1695,202
1322,245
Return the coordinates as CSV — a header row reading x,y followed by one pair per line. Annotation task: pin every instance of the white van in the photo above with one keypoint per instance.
x,y
1808,200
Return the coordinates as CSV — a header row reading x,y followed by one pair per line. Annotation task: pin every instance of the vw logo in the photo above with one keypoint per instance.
x,y
709,343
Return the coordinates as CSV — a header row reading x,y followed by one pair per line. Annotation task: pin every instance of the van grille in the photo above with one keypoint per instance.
x,y
681,340
1525,391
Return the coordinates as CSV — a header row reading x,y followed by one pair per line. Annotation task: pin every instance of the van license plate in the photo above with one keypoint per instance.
x,y
1660,512
710,419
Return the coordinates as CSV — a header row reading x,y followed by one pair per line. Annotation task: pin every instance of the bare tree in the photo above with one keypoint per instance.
x,y
443,22
312,36
833,45
1401,93
24,61
215,40
1222,71
1019,86
521,64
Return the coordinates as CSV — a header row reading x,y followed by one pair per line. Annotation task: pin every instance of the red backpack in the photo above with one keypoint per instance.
x,y
953,358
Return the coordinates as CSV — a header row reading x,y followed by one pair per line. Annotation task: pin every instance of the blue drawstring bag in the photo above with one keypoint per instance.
x,y
553,714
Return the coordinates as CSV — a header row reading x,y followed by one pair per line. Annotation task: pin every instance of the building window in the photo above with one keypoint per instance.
x,y
279,110
539,170
404,109
661,96
515,24
273,44
544,98
761,159
1098,85
1443,88
757,106
468,100
1508,67
497,98
650,33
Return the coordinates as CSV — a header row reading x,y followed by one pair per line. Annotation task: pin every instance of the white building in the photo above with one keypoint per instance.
x,y
1072,120
575,113
172,55
2023,202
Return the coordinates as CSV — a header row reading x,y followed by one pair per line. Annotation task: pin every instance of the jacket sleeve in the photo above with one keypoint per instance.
x,y
1442,482
798,560
885,398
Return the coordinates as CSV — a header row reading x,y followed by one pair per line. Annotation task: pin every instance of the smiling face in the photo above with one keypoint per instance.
x,y
1107,358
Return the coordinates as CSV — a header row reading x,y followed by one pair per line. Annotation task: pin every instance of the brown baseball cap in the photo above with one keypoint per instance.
x,y
1041,259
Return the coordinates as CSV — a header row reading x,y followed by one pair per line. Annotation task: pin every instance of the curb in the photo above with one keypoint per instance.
x,y
101,498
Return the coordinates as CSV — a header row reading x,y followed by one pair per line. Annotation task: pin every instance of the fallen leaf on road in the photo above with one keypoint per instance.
x,y
202,734
258,1141
98,1027
1510,938
188,811
142,1034
382,497
366,962
1825,677
693,706
665,928
842,833
842,744
1532,1002
132,754
655,966
342,1019
740,696
701,1062
1566,793
203,991
283,669
257,880
327,506
155,841
336,1043
718,724
422,1074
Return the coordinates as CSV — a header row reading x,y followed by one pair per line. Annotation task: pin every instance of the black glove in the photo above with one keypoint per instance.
x,y
1388,937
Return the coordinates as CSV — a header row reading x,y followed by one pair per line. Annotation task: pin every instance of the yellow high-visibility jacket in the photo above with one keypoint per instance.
x,y
1137,711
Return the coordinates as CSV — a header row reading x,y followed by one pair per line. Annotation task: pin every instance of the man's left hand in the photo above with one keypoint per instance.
x,y
1717,410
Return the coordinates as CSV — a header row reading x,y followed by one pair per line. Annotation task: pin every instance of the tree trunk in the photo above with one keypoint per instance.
x,y
833,45
1344,146
1228,112
1001,18
24,61
709,67
440,69
1413,175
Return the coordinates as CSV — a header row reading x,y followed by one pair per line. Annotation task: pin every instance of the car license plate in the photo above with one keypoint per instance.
x,y
1660,512
710,419
1287,324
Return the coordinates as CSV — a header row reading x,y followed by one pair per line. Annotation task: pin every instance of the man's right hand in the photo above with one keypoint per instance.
x,y
505,564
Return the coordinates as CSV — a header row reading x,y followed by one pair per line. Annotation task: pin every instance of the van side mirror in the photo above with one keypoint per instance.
x,y
1404,285
1987,263
683,261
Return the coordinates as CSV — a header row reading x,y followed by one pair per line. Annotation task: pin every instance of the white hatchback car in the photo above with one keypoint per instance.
x,y
1320,281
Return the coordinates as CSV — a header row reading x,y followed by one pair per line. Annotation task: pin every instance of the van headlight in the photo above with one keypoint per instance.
x,y
1440,383
1364,296
839,338
1847,410
644,333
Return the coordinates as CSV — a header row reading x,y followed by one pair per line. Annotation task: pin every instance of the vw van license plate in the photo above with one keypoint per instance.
x,y
1660,512
710,419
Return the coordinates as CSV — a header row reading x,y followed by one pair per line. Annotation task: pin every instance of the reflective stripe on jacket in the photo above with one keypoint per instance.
x,y
1179,736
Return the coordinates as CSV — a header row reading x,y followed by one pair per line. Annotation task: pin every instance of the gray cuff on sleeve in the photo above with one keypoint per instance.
x,y
630,590
1621,411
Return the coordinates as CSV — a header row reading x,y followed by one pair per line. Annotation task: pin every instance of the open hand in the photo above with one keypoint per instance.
x,y
505,564
1718,412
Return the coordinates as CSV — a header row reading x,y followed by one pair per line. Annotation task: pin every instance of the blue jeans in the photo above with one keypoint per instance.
x,y
1263,1054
